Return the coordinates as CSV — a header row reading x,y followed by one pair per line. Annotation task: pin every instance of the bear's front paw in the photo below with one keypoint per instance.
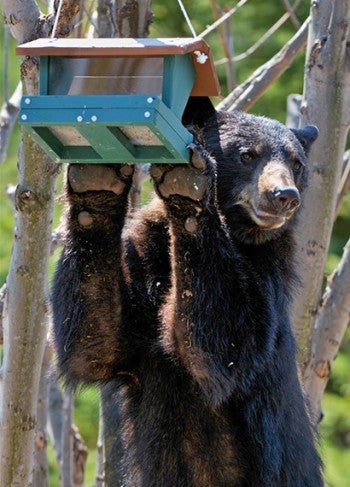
x,y
191,181
99,177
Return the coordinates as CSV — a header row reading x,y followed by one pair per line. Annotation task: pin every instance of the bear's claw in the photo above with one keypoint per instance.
x,y
189,181
197,157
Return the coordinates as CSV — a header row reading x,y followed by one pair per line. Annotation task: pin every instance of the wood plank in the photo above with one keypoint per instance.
x,y
75,47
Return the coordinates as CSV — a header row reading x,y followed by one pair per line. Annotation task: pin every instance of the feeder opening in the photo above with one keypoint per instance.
x,y
107,76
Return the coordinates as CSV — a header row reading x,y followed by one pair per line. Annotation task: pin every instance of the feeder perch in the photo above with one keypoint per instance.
x,y
116,100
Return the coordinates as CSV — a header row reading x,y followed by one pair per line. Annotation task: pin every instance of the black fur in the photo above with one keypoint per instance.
x,y
184,311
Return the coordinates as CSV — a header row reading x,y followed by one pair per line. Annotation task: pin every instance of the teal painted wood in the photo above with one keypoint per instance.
x,y
94,116
104,142
157,154
122,139
178,80
47,141
91,101
44,110
61,84
81,154
173,121
175,152
165,151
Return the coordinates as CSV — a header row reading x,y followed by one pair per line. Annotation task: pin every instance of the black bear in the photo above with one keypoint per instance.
x,y
183,308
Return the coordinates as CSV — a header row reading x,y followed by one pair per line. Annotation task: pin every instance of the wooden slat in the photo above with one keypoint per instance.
x,y
74,47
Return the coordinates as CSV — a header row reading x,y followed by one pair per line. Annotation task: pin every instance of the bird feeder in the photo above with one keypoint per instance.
x,y
116,100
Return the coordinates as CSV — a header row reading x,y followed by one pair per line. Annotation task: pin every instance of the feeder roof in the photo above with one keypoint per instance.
x,y
206,83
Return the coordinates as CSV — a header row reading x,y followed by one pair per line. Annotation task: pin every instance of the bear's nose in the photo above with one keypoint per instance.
x,y
284,198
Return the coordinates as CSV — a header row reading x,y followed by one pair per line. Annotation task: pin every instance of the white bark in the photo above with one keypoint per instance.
x,y
326,105
8,117
100,460
25,313
331,323
22,17
25,316
67,441
55,415
41,469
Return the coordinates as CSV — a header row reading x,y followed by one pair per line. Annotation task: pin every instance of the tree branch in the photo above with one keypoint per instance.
x,y
67,441
263,38
331,322
2,302
22,16
291,10
222,19
67,14
226,40
245,95
344,184
8,117
40,476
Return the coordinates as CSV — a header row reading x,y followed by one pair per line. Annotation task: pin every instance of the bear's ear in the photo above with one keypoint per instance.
x,y
197,111
306,136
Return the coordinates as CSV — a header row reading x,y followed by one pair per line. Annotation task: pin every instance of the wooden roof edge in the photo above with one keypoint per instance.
x,y
76,47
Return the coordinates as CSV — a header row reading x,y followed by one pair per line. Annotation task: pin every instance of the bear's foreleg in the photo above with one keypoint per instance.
x,y
87,304
210,316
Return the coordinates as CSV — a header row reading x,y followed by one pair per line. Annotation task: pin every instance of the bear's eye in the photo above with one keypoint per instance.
x,y
297,165
248,155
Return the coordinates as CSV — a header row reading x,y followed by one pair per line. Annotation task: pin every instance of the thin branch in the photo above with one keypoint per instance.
x,y
263,38
291,10
74,452
55,414
293,110
2,303
227,45
90,15
6,62
222,19
80,454
67,441
8,117
344,184
100,461
10,193
245,95
331,323
141,173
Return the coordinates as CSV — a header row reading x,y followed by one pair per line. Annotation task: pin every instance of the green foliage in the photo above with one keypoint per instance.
x,y
248,25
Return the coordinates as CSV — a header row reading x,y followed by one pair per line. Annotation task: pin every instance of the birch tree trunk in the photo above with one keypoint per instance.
x,y
26,308
326,104
26,303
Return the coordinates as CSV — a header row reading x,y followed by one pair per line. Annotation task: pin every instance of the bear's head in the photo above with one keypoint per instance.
x,y
261,171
